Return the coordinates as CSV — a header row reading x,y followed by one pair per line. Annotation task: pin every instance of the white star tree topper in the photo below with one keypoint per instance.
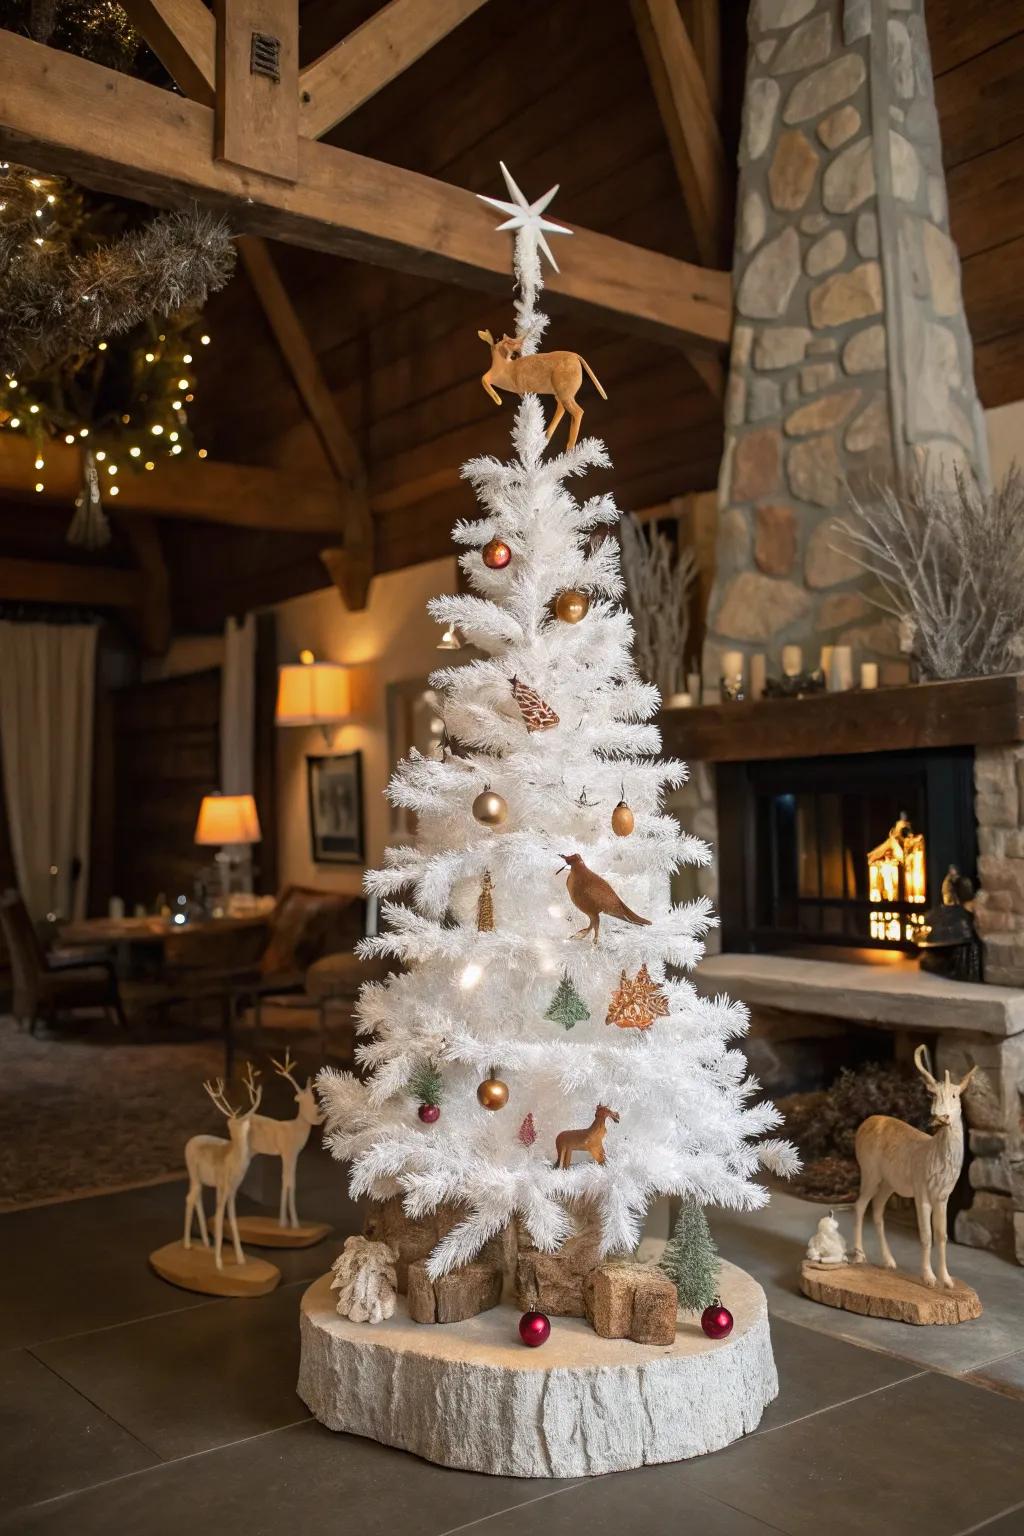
x,y
530,226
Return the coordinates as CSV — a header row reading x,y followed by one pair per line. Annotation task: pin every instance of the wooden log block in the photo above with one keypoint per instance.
x,y
474,1288
631,1301
414,1238
875,1292
553,1282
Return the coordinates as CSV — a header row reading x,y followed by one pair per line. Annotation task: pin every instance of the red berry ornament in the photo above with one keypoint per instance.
x,y
534,1329
496,555
716,1320
428,1113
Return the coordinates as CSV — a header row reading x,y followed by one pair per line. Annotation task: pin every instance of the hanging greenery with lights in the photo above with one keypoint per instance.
x,y
100,329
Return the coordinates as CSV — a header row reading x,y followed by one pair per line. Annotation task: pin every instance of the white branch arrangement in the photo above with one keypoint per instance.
x,y
950,559
659,580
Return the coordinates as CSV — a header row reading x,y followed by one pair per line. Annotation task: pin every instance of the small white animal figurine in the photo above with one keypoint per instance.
x,y
366,1280
286,1138
827,1246
894,1158
221,1165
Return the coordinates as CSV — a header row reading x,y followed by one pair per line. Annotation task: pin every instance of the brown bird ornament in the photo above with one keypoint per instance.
x,y
595,898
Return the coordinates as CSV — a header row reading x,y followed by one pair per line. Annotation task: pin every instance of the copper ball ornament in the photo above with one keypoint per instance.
x,y
622,820
534,1329
492,1093
429,1113
572,606
490,808
716,1320
496,555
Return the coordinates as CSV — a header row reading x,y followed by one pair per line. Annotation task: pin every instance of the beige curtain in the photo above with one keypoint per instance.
x,y
47,688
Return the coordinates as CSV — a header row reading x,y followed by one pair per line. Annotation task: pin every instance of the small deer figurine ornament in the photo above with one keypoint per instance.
x,y
221,1166
544,373
590,1140
286,1138
896,1158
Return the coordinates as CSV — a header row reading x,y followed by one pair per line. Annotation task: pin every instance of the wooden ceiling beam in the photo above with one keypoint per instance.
x,y
183,35
207,491
256,112
340,80
684,101
45,581
118,134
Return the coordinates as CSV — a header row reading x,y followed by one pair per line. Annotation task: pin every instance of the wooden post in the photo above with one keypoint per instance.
x,y
257,107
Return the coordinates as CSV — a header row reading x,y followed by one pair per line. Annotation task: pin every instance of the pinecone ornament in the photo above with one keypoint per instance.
x,y
537,715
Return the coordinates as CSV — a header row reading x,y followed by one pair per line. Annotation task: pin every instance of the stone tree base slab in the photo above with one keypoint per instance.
x,y
875,1292
470,1395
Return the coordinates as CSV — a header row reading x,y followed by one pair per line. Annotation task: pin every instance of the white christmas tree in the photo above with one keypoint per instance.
x,y
475,1000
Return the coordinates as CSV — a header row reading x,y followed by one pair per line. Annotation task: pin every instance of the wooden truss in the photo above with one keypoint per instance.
x,y
244,137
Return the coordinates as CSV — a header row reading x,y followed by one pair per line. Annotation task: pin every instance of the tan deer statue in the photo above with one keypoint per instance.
x,y
286,1138
221,1166
590,1140
544,373
897,1159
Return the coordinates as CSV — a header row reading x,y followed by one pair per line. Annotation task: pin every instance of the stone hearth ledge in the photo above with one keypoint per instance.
x,y
470,1395
892,996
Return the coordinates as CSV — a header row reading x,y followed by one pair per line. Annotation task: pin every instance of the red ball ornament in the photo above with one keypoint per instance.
x,y
496,555
534,1329
716,1320
428,1113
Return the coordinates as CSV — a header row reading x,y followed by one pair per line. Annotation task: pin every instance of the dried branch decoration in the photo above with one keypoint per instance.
x,y
659,579
950,561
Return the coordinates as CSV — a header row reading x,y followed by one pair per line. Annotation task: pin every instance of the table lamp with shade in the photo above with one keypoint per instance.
x,y
312,692
230,823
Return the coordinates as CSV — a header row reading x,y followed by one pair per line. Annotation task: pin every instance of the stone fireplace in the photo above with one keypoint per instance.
x,y
851,364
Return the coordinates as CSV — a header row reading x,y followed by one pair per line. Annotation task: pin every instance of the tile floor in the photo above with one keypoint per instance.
x,y
129,1407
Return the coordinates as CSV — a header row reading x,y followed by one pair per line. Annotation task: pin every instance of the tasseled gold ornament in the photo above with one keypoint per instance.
x,y
538,715
638,1002
485,904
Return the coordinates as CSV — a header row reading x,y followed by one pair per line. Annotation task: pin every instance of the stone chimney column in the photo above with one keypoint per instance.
x,y
851,360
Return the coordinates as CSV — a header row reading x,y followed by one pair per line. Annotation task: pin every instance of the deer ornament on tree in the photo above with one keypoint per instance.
x,y
543,373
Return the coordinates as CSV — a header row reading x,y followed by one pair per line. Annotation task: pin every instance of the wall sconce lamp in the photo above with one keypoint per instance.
x,y
227,822
313,692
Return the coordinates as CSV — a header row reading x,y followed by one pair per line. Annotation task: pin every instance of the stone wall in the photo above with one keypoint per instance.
x,y
999,904
851,360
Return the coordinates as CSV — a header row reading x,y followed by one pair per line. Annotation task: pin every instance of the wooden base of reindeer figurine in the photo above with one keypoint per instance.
x,y
897,1159
285,1139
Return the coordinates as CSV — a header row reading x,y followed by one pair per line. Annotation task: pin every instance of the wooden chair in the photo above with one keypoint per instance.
x,y
46,985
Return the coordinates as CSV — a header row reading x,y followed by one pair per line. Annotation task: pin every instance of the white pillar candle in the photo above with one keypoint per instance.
x,y
841,671
792,660
869,674
732,665
679,701
758,675
694,686
825,662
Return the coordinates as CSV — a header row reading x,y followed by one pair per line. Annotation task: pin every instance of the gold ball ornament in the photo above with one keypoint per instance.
x,y
572,606
492,1092
622,820
496,555
490,808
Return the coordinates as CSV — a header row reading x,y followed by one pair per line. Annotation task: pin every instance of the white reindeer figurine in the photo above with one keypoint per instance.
x,y
895,1158
221,1165
286,1138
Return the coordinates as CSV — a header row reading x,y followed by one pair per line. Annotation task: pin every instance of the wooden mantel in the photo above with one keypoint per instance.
x,y
978,711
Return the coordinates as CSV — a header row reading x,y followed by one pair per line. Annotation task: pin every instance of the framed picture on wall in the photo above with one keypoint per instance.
x,y
336,808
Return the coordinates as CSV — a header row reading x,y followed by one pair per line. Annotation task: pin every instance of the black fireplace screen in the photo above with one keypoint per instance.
x,y
796,841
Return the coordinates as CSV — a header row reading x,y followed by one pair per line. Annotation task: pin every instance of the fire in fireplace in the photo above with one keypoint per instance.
x,y
840,851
